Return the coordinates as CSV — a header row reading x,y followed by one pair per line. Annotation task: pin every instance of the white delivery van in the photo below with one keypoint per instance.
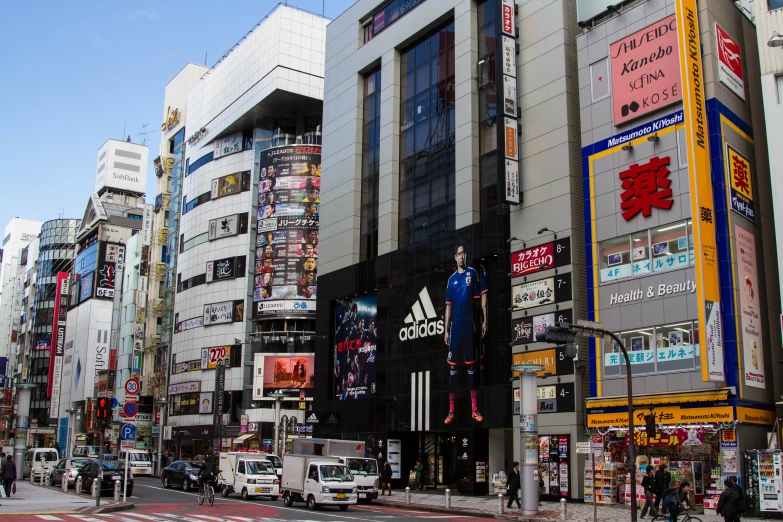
x,y
350,453
38,460
249,475
139,462
318,481
276,463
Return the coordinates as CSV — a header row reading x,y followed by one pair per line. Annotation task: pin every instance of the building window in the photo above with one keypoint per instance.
x,y
187,206
779,84
656,250
658,349
427,138
488,113
775,4
203,160
371,137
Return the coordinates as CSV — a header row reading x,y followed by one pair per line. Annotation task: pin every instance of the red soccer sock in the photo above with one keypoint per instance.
x,y
473,396
452,396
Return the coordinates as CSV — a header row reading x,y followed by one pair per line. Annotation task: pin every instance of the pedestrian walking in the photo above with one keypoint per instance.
x,y
648,483
8,473
740,497
513,483
419,469
729,503
663,480
386,477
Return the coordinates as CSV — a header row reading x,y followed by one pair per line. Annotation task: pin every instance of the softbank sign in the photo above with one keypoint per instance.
x,y
423,319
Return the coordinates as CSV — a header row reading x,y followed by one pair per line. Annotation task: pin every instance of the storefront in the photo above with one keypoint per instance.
x,y
188,441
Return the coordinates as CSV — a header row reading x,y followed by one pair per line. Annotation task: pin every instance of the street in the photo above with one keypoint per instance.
x,y
156,504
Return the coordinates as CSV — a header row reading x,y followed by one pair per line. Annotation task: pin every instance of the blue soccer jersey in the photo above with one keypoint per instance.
x,y
461,290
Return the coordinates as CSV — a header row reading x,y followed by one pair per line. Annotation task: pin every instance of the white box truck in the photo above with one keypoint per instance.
x,y
318,481
350,453
249,474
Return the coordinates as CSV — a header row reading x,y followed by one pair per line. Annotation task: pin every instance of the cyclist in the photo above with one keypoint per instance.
x,y
207,474
673,499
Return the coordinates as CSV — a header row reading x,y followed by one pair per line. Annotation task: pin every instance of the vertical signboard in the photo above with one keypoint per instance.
x,y
355,342
287,243
740,184
107,270
729,62
750,309
58,342
506,74
220,386
702,208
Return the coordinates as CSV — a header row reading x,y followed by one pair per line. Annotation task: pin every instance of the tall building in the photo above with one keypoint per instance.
x,y
264,125
56,247
114,213
169,168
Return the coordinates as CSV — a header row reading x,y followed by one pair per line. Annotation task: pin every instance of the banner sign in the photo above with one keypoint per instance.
x,y
507,126
542,257
230,184
729,62
228,145
524,329
58,332
644,71
184,387
107,270
670,437
218,401
750,308
740,184
189,324
223,269
287,373
287,241
186,366
538,293
355,346
223,227
225,312
702,207
210,357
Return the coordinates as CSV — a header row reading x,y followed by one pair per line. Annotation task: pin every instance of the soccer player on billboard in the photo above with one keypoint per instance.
x,y
463,287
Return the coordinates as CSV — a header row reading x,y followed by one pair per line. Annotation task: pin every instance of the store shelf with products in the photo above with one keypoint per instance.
x,y
602,482
712,495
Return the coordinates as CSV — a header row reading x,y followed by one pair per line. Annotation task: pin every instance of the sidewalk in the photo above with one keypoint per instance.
x,y
35,499
488,507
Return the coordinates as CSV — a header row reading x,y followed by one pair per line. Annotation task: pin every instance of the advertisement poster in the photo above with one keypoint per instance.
x,y
750,309
740,185
223,227
286,265
205,402
541,257
355,346
545,291
645,69
394,456
729,62
283,372
107,257
229,184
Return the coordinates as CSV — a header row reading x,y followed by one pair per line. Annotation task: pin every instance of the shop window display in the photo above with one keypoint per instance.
x,y
659,349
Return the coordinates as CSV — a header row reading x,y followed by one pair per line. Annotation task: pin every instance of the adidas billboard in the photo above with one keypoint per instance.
x,y
423,320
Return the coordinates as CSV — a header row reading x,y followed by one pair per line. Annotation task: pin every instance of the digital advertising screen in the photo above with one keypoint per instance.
x,y
355,346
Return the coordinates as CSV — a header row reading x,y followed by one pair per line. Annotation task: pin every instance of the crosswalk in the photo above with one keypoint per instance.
x,y
148,517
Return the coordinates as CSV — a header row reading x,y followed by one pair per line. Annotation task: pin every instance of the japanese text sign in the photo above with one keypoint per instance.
x,y
741,187
646,186
542,257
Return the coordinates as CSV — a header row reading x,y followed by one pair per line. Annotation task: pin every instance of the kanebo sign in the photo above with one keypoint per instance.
x,y
687,287
423,319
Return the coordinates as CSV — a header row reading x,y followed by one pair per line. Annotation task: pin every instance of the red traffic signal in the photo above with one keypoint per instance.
x,y
103,410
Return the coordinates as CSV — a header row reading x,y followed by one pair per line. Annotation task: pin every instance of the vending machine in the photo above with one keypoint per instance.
x,y
770,483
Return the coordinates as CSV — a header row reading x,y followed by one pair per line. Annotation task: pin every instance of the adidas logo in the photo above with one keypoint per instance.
x,y
312,419
423,319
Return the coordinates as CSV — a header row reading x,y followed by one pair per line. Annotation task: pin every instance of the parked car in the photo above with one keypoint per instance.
x,y
110,459
181,473
38,461
67,468
90,452
89,473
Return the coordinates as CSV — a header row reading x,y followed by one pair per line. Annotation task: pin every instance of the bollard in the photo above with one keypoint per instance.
x,y
448,499
95,488
78,484
117,490
500,503
407,495
563,509
64,483
32,476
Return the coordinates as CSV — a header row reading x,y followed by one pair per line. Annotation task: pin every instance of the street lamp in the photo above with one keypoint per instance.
x,y
163,404
528,436
564,334
776,40
70,412
278,397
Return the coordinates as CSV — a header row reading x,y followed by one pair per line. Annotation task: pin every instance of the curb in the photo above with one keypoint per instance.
x,y
473,512
122,506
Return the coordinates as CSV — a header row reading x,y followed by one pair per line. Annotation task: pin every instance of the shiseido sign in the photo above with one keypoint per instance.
x,y
542,257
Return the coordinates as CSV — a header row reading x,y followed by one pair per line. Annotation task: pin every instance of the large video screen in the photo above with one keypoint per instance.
x,y
355,346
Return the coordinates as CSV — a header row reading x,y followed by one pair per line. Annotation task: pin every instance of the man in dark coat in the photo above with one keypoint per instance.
x,y
663,480
728,504
8,473
513,486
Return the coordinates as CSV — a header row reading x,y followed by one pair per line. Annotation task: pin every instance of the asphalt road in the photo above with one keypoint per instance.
x,y
151,498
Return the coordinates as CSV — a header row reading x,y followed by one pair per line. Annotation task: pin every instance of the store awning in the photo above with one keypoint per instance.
x,y
650,399
242,438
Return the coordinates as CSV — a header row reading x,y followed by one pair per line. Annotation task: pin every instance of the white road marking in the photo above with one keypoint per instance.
x,y
87,519
48,517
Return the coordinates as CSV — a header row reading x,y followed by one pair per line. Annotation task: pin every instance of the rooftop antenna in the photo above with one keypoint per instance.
x,y
124,124
144,133
205,59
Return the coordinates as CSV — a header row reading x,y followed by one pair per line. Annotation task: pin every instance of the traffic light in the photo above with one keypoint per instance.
x,y
649,425
560,335
103,411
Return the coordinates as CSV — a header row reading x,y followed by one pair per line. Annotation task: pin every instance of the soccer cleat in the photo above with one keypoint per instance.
x,y
477,416
449,418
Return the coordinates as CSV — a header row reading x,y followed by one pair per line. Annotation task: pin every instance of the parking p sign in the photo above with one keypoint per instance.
x,y
128,431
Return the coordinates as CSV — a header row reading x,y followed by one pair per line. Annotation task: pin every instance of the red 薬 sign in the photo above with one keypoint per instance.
x,y
646,186
532,260
508,17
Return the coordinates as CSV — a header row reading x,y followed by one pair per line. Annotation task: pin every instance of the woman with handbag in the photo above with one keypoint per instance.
x,y
8,474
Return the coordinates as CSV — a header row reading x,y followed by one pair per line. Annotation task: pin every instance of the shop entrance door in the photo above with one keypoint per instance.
x,y
438,454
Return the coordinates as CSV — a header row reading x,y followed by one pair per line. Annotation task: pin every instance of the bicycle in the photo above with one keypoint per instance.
x,y
206,491
685,516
